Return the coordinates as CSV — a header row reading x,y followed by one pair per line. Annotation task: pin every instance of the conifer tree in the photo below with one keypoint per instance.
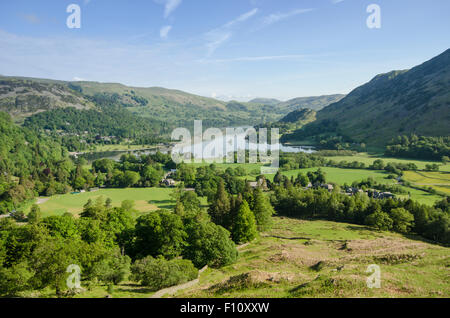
x,y
244,229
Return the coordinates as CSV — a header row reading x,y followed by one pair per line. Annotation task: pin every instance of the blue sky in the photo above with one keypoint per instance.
x,y
230,49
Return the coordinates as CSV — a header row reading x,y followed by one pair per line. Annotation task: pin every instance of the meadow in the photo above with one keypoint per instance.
x,y
341,176
368,160
440,181
146,199
300,258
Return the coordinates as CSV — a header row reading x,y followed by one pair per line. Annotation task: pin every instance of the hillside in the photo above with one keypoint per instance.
x,y
302,116
22,97
415,101
304,259
315,102
266,101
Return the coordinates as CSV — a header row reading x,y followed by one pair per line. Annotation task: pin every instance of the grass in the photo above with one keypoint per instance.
x,y
146,199
122,147
368,160
440,181
326,259
342,176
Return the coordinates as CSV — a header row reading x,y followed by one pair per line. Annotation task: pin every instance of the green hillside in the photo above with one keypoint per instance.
x,y
315,102
415,101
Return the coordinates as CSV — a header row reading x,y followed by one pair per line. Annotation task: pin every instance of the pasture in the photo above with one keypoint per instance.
x,y
146,199
440,181
368,160
342,176
301,259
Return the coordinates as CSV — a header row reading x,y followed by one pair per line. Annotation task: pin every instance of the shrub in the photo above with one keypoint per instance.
x,y
160,273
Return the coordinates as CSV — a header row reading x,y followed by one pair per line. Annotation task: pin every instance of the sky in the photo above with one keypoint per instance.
x,y
226,49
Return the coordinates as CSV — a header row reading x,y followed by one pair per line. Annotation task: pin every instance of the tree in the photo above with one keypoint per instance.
x,y
263,210
379,220
402,219
130,178
244,229
208,244
302,180
278,177
35,214
50,261
219,209
14,279
113,269
159,233
160,273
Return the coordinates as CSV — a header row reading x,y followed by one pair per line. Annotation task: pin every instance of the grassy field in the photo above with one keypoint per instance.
x,y
325,259
341,176
368,159
122,147
439,181
146,199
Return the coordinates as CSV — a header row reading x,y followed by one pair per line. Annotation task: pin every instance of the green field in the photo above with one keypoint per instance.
x,y
280,264
342,176
146,199
368,159
440,181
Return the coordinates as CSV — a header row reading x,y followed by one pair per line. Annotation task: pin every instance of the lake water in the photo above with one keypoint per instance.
x,y
206,148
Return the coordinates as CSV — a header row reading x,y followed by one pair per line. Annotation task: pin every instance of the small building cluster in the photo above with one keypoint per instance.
x,y
371,193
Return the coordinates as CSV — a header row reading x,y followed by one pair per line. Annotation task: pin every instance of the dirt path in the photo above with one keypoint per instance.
x,y
42,200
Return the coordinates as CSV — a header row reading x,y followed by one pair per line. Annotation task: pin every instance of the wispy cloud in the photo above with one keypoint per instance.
x,y
169,6
256,58
277,17
337,1
164,32
31,18
215,38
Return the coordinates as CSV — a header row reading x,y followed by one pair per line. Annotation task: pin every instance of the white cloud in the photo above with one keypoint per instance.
x,y
169,6
276,17
337,1
242,18
215,38
164,32
257,58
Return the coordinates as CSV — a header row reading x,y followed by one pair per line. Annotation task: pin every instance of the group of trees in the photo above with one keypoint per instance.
x,y
420,147
110,245
132,171
243,215
233,203
386,214
29,164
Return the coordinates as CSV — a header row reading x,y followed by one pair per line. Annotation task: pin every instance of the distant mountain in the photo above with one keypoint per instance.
x,y
23,97
266,101
396,103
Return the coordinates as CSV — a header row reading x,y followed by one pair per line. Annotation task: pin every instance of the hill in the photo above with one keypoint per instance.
x,y
302,116
415,101
314,102
22,97
266,101
303,259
